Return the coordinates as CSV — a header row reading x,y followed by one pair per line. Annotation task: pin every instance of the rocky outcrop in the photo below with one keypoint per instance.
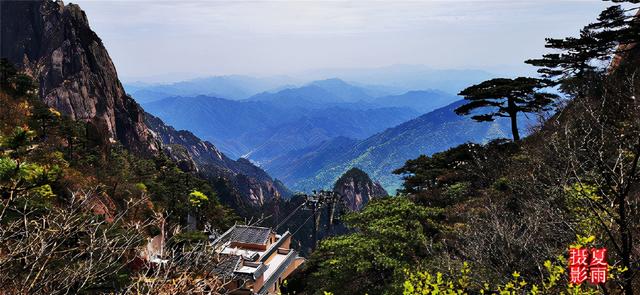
x,y
54,44
628,54
357,189
193,154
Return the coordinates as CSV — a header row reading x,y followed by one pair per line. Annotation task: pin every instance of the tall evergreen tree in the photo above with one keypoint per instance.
x,y
576,57
503,97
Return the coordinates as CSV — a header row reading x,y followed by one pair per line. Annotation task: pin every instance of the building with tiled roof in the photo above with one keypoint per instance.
x,y
255,260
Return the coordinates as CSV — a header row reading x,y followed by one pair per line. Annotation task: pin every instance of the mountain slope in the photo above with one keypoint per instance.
x,y
262,130
304,163
423,101
56,46
357,189
220,120
202,157
382,153
315,128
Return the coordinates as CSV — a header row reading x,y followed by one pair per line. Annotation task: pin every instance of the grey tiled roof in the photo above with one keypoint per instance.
x,y
225,269
247,234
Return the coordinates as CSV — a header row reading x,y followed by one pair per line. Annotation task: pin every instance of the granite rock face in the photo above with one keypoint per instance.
x,y
202,157
54,44
357,189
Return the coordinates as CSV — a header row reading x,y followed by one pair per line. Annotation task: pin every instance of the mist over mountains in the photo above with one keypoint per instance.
x,y
231,87
404,78
271,123
378,155
389,80
309,135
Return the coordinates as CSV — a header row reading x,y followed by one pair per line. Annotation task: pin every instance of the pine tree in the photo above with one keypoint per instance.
x,y
503,97
577,57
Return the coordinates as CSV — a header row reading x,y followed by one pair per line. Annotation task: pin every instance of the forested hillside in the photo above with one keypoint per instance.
x,y
55,45
76,210
384,152
263,130
88,189
501,217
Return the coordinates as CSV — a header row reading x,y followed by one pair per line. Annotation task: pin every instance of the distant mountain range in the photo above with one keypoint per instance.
x,y
260,130
376,82
308,136
321,93
423,101
270,124
317,93
320,166
232,87
398,79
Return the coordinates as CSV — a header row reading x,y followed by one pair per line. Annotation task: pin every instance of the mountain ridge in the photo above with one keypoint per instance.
x,y
385,151
234,87
262,130
54,44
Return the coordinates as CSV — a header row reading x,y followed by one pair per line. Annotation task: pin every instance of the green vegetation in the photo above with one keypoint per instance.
x,y
498,218
196,198
502,216
506,98
76,211
391,235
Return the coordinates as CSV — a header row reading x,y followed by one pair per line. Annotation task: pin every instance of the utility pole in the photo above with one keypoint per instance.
x,y
331,211
312,202
316,203
332,202
316,224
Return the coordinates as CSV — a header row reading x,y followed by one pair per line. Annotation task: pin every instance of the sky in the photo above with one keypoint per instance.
x,y
179,39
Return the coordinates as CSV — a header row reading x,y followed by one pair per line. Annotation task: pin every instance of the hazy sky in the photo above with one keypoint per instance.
x,y
155,38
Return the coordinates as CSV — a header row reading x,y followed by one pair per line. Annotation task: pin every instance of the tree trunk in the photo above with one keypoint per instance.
x,y
192,222
513,114
626,226
316,222
625,238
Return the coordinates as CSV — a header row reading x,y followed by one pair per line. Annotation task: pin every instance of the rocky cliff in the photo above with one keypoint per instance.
x,y
357,189
193,154
54,44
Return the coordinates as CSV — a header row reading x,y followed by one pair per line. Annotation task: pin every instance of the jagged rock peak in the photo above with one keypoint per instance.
x,y
357,188
193,154
54,44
